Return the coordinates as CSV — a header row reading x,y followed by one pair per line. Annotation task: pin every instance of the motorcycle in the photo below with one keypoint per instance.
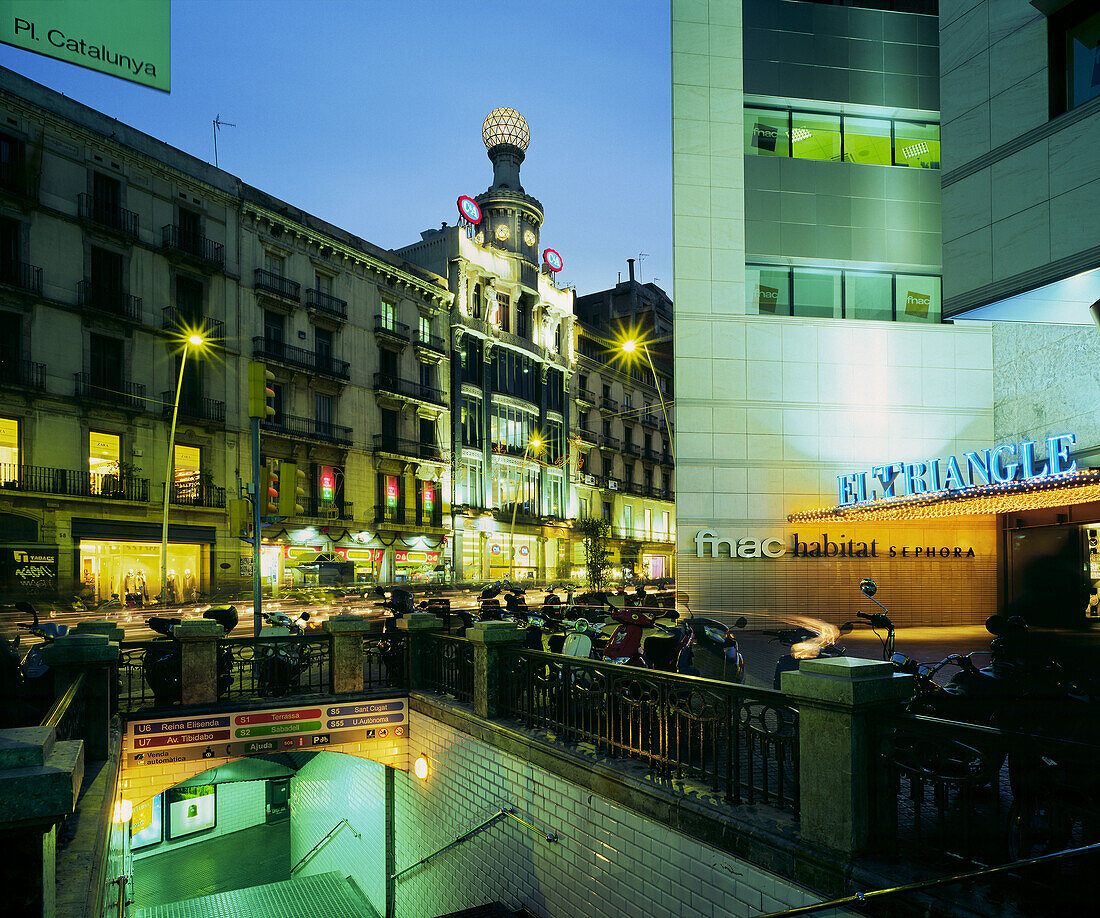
x,y
161,664
280,665
27,679
640,640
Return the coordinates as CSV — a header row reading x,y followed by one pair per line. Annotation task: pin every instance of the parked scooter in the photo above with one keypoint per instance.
x,y
161,666
640,640
280,666
27,680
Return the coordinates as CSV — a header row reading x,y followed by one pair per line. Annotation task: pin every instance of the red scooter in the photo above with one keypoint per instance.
x,y
639,640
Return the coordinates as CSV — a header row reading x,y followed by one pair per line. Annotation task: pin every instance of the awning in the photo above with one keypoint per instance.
x,y
1059,491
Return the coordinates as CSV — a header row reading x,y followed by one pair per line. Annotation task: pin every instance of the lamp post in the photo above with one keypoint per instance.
x,y
630,346
196,341
537,444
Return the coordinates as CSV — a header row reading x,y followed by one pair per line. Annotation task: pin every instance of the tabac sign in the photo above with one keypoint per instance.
x,y
128,39
997,465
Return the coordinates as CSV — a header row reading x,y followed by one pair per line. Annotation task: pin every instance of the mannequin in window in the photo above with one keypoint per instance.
x,y
171,587
139,584
188,586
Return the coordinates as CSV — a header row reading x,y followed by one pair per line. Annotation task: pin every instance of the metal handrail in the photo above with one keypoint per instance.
x,y
496,817
329,835
122,900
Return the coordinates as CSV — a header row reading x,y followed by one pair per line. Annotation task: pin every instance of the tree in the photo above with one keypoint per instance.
x,y
596,534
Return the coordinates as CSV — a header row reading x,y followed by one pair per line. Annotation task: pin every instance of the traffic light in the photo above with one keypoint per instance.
x,y
240,519
260,392
292,489
272,503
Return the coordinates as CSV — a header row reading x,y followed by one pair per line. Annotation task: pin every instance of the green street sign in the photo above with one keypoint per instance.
x,y
128,39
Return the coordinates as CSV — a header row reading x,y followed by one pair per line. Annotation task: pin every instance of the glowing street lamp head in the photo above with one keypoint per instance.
x,y
196,340
630,345
535,444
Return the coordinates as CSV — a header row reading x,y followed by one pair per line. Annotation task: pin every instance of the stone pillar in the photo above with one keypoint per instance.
x,y
837,699
198,639
96,657
417,624
39,784
347,650
488,639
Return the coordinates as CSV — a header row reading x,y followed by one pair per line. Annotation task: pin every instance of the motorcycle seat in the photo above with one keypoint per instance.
x,y
660,650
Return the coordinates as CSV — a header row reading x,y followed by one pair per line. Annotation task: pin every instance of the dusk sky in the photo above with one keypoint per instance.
x,y
368,114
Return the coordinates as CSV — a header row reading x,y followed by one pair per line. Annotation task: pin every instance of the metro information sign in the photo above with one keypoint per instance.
x,y
159,742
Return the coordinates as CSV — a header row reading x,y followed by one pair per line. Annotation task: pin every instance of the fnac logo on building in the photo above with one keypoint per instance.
x,y
764,136
917,304
767,298
741,547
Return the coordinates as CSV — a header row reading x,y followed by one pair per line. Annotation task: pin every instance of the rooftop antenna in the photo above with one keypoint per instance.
x,y
641,255
218,123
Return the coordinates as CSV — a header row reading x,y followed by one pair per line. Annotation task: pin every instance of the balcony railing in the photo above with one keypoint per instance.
x,y
276,284
205,250
212,330
16,372
429,341
660,493
197,494
666,459
326,304
631,449
651,454
113,392
635,487
198,409
400,447
586,395
300,358
321,509
386,325
308,429
110,298
587,435
383,513
383,382
651,421
108,215
609,442
36,479
608,404
21,275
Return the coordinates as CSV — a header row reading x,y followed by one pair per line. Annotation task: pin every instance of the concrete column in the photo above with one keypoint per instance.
x,y
97,657
347,650
489,638
198,639
837,699
416,625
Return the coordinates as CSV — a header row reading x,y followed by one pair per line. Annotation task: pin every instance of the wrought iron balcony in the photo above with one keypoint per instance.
x,y
651,421
320,509
611,483
19,274
631,449
119,393
202,250
587,435
197,494
383,382
23,373
107,215
308,429
587,396
299,358
383,513
401,447
430,342
609,442
635,487
213,330
666,459
386,325
277,285
660,493
197,409
34,479
608,404
109,298
651,454
326,304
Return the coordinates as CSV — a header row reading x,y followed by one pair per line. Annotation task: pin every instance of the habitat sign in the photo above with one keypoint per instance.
x,y
998,465
128,39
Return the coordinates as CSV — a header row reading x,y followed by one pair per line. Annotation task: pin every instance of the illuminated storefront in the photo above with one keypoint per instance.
x,y
130,571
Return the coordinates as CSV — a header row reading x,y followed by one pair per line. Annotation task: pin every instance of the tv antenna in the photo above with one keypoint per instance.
x,y
218,123
641,255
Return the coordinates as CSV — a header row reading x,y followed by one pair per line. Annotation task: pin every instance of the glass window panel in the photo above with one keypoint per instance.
x,y
868,296
815,136
917,145
767,291
918,298
816,293
867,140
766,133
1083,61
9,441
104,452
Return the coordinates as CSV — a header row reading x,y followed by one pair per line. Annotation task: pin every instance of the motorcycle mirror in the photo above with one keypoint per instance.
x,y
846,628
741,622
868,586
304,616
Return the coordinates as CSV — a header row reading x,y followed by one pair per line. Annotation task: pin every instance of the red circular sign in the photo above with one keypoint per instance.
x,y
553,260
469,209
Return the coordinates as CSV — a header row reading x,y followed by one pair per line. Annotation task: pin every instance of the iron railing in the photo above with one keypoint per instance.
x,y
299,358
108,297
384,662
212,330
384,382
651,421
198,247
19,274
447,666
327,304
387,325
307,429
651,455
586,395
270,282
274,667
666,459
197,494
17,372
608,404
134,690
609,442
430,341
383,513
115,392
71,482
631,449
587,435
198,409
401,447
112,216
319,508
741,742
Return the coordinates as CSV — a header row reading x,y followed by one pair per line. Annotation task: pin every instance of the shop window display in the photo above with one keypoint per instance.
x,y
9,449
130,571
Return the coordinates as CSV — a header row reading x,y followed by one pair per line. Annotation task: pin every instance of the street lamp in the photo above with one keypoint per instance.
x,y
193,340
630,346
535,443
